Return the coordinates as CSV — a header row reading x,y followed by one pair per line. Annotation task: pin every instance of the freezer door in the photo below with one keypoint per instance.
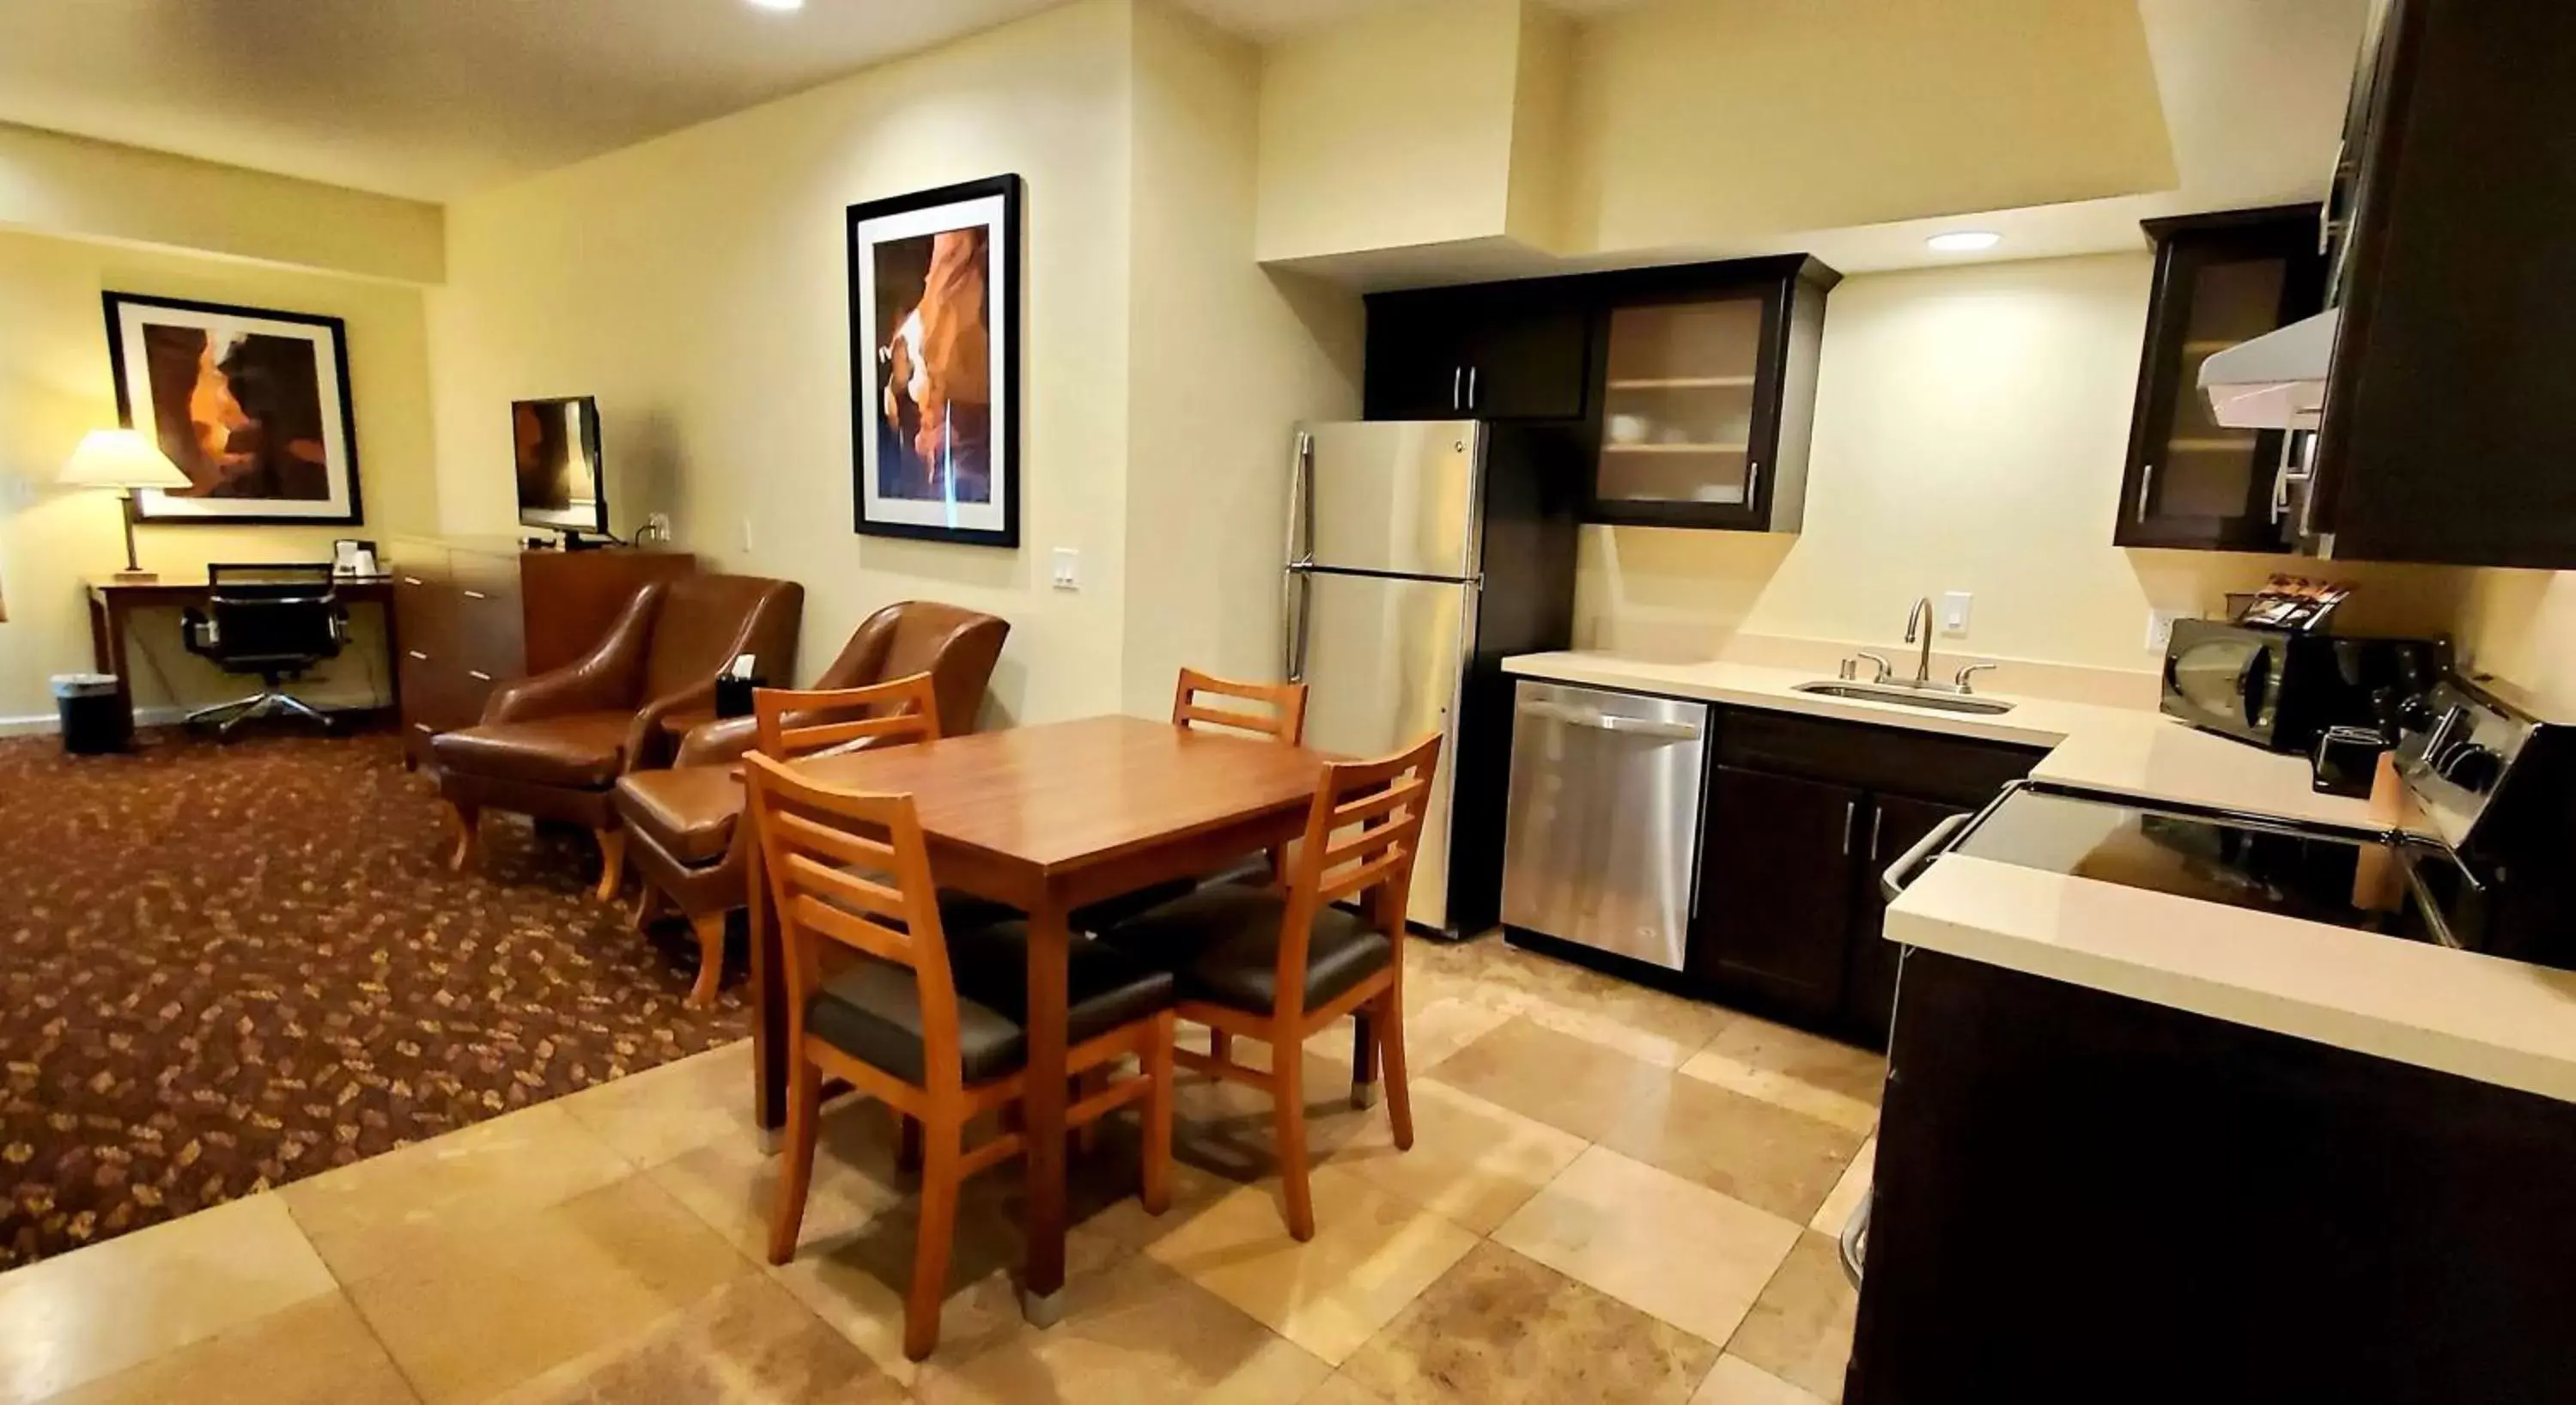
x,y
1391,496
1602,835
1381,667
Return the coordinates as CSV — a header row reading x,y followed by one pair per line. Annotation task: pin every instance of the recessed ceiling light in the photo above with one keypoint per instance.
x,y
1964,241
775,4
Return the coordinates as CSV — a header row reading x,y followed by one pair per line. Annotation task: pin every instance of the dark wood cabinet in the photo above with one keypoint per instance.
x,y
2085,1197
475,613
1803,815
1776,885
1708,387
2220,280
1694,387
2445,435
1495,352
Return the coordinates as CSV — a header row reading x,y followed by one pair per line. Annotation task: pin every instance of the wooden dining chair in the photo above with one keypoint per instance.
x,y
930,1018
789,723
1277,964
1281,717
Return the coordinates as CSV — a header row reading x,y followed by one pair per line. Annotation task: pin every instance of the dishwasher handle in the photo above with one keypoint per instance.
x,y
1611,722
1910,865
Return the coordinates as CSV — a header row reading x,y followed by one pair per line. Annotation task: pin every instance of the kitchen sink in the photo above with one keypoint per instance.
x,y
1905,697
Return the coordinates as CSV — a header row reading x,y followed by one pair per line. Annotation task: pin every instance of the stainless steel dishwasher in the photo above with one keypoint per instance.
x,y
1602,841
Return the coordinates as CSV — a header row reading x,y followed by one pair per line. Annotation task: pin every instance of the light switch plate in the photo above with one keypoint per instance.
x,y
1067,569
747,547
1954,612
2160,625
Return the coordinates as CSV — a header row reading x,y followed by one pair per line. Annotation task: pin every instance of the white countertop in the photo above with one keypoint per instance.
x,y
2500,1022
2128,751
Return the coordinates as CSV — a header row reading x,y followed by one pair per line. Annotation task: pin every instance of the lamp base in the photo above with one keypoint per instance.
x,y
138,577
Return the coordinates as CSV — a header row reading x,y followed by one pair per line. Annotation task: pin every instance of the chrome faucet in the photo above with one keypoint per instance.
x,y
1920,621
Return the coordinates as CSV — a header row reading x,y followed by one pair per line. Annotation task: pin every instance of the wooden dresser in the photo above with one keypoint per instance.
x,y
475,612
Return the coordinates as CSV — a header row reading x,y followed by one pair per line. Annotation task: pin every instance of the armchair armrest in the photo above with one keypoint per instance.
x,y
644,738
602,680
718,743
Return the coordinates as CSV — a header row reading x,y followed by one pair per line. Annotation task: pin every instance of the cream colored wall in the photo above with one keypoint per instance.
x,y
1391,129
1222,359
2521,627
696,284
55,386
51,183
1699,122
1971,424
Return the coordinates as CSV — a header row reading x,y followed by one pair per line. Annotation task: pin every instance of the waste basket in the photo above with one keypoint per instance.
x,y
94,717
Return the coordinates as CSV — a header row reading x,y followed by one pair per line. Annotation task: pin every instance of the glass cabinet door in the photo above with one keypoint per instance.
x,y
2192,482
1680,408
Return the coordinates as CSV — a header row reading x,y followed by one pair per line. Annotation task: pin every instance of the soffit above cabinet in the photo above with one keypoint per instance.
x,y
1463,140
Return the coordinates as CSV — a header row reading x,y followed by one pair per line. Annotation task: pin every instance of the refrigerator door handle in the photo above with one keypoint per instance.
x,y
1301,500
1292,650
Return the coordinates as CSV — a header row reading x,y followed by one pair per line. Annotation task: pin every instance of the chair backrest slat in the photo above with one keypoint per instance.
x,y
1284,721
853,868
1361,834
792,722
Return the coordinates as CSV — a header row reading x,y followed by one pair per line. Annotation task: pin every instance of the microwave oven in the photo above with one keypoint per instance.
x,y
2282,690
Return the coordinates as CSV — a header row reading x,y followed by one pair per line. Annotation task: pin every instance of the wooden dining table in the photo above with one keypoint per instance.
x,y
1048,818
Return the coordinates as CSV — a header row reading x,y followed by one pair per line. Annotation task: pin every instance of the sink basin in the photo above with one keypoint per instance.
x,y
1906,697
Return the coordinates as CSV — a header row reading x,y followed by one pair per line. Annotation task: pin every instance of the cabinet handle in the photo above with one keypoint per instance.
x,y
2146,483
1877,822
1851,812
424,729
1457,377
416,655
411,580
1752,483
476,595
1471,387
480,676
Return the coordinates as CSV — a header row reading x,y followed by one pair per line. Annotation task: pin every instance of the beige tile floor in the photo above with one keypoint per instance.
x,y
1613,1195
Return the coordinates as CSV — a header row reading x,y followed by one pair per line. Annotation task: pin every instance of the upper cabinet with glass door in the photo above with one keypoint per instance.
x,y
1707,391
2220,279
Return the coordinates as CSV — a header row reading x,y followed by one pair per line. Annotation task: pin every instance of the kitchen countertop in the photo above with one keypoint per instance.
x,y
2129,751
2496,1021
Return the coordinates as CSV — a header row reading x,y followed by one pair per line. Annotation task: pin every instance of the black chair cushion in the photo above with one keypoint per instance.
x,y
872,1011
1127,907
1222,945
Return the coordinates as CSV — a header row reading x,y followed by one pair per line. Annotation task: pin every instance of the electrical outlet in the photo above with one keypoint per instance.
x,y
1067,571
2160,625
657,525
1954,612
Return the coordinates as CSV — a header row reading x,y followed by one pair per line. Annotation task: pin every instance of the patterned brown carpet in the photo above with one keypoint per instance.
x,y
229,968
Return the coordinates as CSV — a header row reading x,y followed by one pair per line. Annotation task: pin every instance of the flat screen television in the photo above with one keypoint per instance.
x,y
557,446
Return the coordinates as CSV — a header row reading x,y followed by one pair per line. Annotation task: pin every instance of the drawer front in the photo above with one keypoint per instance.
x,y
490,636
1956,770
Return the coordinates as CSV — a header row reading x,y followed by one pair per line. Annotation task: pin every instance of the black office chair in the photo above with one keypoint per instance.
x,y
274,621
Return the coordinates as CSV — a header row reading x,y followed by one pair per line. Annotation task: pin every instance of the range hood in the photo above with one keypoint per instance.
x,y
2277,380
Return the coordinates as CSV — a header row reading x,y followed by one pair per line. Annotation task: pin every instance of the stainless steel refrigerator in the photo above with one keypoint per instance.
x,y
1420,554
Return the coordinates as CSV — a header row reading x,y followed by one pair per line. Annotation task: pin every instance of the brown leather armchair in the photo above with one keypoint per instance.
x,y
691,849
554,745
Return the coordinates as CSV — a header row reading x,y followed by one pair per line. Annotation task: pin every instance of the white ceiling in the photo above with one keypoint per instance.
x,y
433,98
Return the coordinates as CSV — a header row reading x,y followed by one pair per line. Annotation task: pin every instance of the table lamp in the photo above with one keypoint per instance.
x,y
125,460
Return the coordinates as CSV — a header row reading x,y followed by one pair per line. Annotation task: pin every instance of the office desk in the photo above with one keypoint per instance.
x,y
112,604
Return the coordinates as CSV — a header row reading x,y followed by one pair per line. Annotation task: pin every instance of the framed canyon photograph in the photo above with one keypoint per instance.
x,y
934,363
252,404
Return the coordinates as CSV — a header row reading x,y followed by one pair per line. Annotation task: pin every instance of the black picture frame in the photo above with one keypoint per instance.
x,y
993,203
332,407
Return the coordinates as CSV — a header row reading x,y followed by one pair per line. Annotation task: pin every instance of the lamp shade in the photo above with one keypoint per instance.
x,y
121,458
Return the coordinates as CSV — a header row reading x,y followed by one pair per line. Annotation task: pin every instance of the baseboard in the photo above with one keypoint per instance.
x,y
170,715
